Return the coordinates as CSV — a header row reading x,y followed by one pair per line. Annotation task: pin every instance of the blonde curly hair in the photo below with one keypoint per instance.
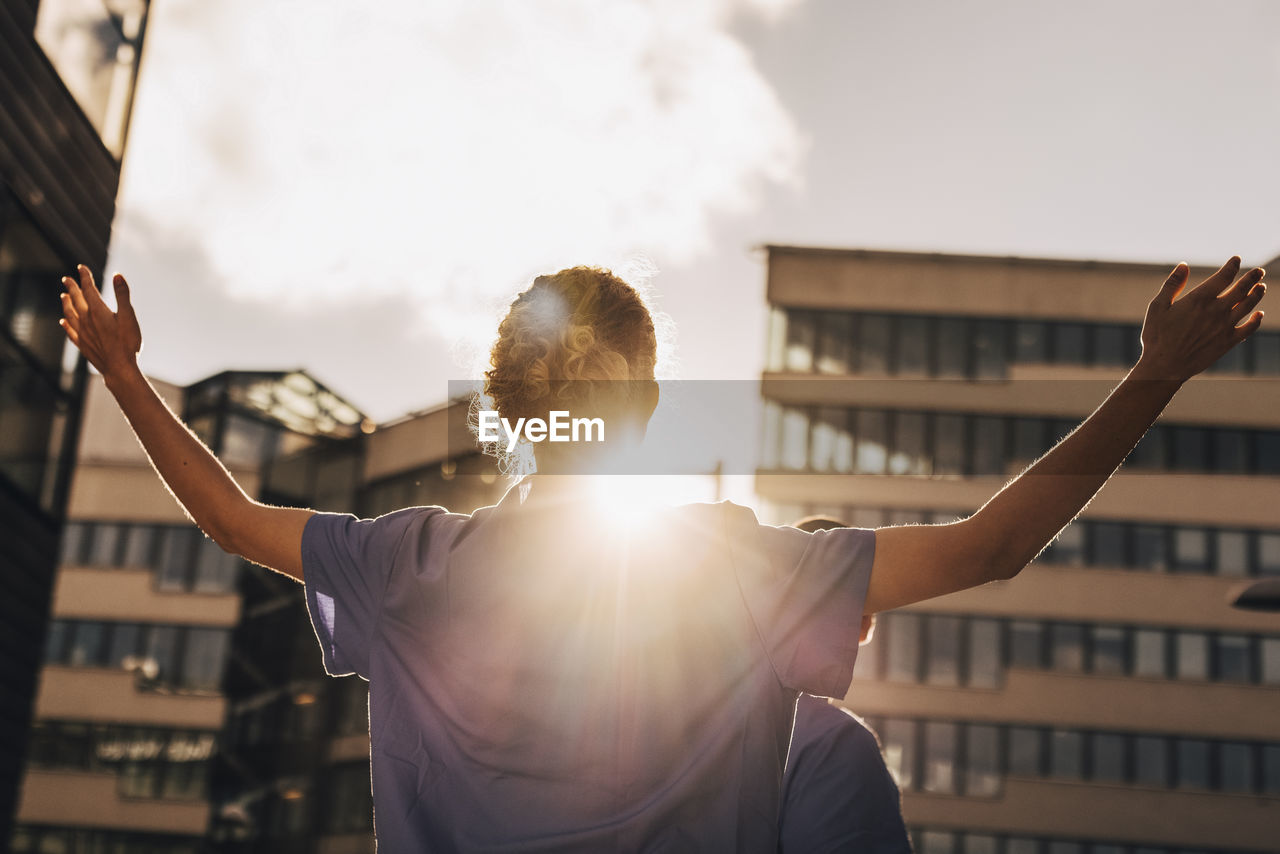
x,y
577,339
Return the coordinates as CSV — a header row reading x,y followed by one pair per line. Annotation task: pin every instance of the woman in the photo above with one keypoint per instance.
x,y
542,680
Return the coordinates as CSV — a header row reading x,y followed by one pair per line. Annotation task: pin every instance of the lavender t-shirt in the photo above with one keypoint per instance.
x,y
541,680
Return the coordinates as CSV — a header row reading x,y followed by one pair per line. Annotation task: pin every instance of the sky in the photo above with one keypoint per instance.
x,y
360,189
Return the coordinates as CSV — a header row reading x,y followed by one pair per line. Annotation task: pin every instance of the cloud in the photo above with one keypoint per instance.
x,y
444,152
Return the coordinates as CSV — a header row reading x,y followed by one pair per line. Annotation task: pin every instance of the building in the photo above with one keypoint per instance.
x,y
67,72
1108,699
182,704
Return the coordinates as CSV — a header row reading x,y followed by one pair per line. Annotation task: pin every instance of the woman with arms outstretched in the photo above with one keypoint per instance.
x,y
542,680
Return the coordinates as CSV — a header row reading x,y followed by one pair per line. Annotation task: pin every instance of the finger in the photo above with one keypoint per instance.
x,y
1234,293
123,304
71,333
1249,327
77,298
91,296
1215,284
69,308
1173,285
1247,304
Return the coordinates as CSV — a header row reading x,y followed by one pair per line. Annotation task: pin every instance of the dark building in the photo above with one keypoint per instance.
x,y
67,72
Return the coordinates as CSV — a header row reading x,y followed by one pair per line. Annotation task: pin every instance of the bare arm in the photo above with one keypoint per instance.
x,y
1180,338
271,536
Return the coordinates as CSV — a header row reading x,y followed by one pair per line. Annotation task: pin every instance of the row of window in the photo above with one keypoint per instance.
x,y
930,841
846,440
949,650
945,757
1112,543
845,342
150,762
185,657
31,839
182,558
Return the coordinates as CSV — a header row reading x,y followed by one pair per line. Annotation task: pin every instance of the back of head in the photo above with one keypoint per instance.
x,y
813,524
580,339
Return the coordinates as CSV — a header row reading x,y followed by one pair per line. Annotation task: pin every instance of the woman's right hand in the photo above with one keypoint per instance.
x,y
110,340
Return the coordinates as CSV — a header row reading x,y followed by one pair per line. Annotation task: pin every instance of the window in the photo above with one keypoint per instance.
x,y
1149,657
175,557
936,842
795,439
125,642
1108,650
776,360
1066,754
1230,450
989,359
1232,659
1107,757
1068,548
908,455
1266,352
1150,548
1150,761
988,445
1269,653
75,540
834,343
939,757
1030,342
140,546
975,843
948,444
982,766
105,546
1191,549
87,644
899,751
1108,544
204,655
1111,345
871,427
942,661
1231,553
1028,440
1235,767
1025,643
160,647
1269,553
1192,650
1271,768
216,570
1190,449
903,639
911,350
1024,751
872,342
1193,763
1152,450
1069,343
953,347
984,653
1067,645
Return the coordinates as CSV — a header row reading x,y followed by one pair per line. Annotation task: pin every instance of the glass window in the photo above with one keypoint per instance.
x,y
74,542
1068,548
247,442
1024,751
1231,553
911,349
1266,352
1150,761
770,454
1107,755
140,545
1271,768
984,653
900,750
1026,639
1269,653
87,647
776,359
1021,845
1230,450
1111,345
1235,767
827,426
1191,549
1192,650
1268,553
872,429
903,640
203,657
1193,763
1060,846
989,358
835,343
1108,544
160,646
982,766
125,641
953,347
1069,343
1030,342
1268,451
105,548
1149,658
1232,659
936,842
1028,440
978,843
802,331
1190,449
139,779
1152,450
908,455
1108,650
942,660
1150,547
1066,754
1067,647
988,445
948,444
216,570
939,757
872,342
795,439
175,557
55,642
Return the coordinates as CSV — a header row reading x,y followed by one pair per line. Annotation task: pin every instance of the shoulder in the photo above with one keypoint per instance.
x,y
818,720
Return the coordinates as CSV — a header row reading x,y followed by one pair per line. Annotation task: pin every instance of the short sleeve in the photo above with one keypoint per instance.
x,y
805,593
347,564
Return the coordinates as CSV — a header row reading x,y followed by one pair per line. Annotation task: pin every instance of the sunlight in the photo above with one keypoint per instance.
x,y
628,502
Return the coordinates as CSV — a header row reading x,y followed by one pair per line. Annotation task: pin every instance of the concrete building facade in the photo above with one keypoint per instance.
x,y
1108,699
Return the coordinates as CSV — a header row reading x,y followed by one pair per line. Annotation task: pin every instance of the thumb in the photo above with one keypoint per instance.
x,y
122,294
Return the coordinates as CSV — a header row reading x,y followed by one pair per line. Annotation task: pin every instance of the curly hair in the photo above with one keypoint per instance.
x,y
578,338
